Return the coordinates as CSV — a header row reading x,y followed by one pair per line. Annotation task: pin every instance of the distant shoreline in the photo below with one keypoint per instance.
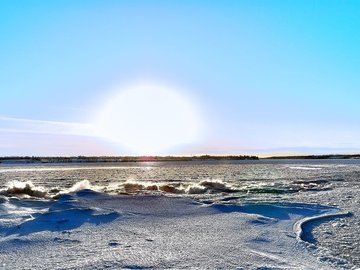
x,y
115,159
330,156
86,159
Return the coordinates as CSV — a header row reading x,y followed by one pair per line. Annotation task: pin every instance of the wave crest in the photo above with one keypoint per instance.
x,y
212,186
205,186
19,188
84,184
137,187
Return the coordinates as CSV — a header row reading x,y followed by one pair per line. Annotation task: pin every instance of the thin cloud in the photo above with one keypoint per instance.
x,y
23,125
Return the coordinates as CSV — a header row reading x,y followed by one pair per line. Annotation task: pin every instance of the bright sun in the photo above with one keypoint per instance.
x,y
148,119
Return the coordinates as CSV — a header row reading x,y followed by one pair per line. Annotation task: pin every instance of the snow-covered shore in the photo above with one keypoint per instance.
x,y
90,230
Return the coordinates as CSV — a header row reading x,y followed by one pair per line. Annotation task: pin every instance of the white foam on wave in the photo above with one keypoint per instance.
x,y
27,188
208,185
137,187
84,184
211,186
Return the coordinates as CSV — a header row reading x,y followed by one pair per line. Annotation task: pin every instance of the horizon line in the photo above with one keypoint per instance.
x,y
181,156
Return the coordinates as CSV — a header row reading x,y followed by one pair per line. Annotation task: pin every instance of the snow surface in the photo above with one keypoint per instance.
x,y
90,230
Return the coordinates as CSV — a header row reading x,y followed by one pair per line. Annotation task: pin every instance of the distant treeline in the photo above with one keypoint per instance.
x,y
356,156
83,159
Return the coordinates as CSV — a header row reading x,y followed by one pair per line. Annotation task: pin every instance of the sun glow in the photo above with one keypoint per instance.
x,y
148,119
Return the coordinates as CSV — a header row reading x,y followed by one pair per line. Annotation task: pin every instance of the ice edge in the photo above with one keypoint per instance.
x,y
299,226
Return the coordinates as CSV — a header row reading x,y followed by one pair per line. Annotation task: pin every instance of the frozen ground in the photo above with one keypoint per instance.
x,y
261,215
89,230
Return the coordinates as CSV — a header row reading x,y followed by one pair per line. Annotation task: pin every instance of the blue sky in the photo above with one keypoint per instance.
x,y
266,76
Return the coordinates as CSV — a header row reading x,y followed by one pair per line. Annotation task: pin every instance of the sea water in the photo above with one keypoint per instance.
x,y
310,207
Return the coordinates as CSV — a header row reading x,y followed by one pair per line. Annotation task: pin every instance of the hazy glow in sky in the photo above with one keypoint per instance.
x,y
148,118
261,76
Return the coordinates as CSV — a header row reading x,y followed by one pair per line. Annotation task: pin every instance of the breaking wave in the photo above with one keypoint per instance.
x,y
28,189
18,188
84,184
205,186
209,186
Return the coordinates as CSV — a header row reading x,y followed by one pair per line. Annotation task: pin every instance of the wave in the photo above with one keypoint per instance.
x,y
209,185
84,184
18,188
205,186
28,189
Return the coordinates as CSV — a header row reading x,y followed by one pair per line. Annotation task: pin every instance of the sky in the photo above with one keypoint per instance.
x,y
179,77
